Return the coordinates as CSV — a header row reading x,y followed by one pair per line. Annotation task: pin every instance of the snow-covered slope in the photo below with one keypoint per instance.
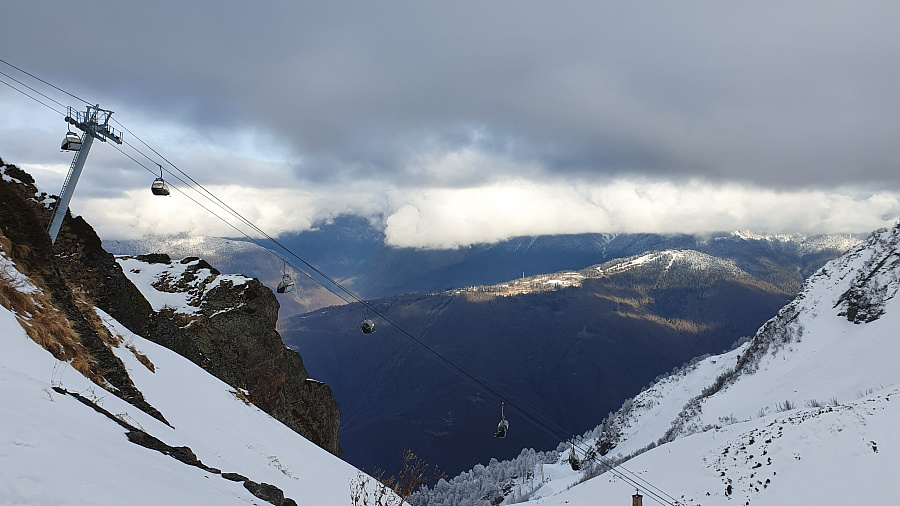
x,y
832,455
56,449
801,414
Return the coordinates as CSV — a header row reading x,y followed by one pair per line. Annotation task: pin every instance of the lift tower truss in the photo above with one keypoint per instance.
x,y
94,122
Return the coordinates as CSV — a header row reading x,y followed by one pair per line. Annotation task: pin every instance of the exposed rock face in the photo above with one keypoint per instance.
x,y
227,326
232,335
24,219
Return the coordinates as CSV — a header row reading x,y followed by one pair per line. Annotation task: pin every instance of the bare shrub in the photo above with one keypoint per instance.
x,y
367,491
784,406
813,403
141,358
42,322
393,491
241,395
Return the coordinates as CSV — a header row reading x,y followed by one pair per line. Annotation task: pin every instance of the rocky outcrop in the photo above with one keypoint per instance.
x,y
232,335
227,326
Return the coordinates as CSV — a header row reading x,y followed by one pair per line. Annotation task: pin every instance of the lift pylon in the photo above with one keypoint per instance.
x,y
94,122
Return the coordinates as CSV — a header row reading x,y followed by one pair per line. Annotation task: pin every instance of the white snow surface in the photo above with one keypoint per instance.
x,y
54,450
156,283
6,177
839,455
690,258
806,244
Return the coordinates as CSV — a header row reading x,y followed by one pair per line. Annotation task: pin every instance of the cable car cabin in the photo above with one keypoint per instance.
x,y
502,427
574,460
159,187
286,285
71,142
367,326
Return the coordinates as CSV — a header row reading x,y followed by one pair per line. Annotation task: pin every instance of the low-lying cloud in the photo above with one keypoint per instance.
x,y
452,218
458,217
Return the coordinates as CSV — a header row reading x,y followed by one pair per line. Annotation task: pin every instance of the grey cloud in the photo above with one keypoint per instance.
x,y
765,93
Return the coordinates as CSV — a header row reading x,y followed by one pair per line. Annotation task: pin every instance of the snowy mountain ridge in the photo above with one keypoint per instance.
x,y
804,243
688,259
836,342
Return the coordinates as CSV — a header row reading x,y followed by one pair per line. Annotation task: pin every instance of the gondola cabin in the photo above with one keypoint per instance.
x,y
286,285
72,142
367,326
502,427
574,461
159,187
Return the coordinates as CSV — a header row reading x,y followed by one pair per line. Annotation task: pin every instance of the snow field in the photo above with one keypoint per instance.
x,y
54,450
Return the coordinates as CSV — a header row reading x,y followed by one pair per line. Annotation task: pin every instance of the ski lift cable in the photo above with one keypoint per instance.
x,y
223,220
34,90
45,82
48,106
215,199
527,413
234,213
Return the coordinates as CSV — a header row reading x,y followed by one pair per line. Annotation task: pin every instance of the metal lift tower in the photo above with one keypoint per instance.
x,y
95,124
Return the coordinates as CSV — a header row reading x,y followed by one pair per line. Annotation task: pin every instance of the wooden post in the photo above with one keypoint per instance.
x,y
637,499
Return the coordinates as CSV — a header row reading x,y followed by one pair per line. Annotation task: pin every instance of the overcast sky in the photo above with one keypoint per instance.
x,y
453,123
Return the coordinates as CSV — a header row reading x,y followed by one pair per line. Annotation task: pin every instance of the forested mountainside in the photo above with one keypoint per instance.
x,y
572,344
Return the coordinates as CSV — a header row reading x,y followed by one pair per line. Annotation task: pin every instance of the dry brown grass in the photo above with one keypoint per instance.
x,y
142,358
86,307
43,323
241,396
